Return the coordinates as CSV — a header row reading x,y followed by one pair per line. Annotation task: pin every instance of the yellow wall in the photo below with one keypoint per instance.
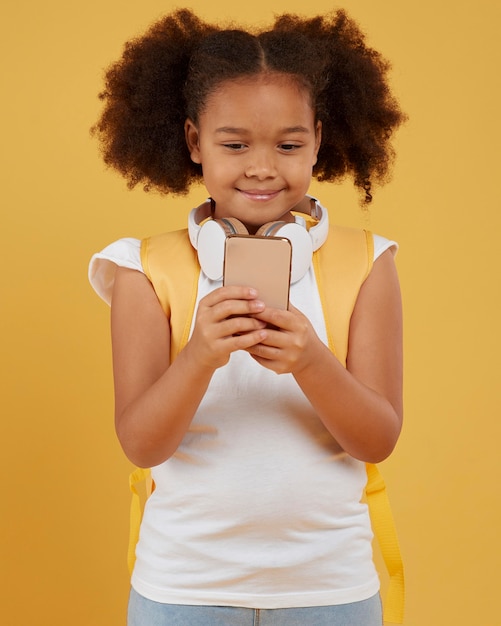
x,y
64,500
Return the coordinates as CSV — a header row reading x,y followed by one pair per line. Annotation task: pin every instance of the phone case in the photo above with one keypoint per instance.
x,y
263,263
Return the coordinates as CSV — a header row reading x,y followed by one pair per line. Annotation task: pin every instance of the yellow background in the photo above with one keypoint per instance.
x,y
64,499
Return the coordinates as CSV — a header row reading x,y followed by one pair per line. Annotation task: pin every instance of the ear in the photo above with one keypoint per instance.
x,y
318,139
192,137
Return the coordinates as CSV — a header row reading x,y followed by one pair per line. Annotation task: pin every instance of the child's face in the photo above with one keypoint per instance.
x,y
257,142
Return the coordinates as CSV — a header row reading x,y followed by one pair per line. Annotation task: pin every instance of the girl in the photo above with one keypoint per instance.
x,y
256,513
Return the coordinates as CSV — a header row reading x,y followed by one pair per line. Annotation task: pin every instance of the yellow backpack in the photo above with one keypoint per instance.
x,y
341,265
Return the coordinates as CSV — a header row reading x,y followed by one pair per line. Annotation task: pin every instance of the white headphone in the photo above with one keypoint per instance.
x,y
207,236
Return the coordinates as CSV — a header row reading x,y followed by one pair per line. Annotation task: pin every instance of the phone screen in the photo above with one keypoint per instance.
x,y
263,263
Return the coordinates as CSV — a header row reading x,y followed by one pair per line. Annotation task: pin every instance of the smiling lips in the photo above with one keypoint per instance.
x,y
260,194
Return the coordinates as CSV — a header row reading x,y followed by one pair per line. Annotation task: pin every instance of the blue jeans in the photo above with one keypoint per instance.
x,y
143,612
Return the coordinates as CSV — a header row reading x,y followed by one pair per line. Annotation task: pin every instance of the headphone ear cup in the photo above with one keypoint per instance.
x,y
210,244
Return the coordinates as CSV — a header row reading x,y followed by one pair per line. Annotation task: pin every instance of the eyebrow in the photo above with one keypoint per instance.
x,y
243,131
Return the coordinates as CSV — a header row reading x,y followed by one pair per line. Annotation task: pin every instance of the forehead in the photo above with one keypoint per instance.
x,y
254,100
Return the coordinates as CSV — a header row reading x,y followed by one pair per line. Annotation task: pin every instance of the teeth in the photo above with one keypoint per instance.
x,y
261,196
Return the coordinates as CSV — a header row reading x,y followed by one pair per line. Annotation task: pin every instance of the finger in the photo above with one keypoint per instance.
x,y
276,366
240,325
277,318
245,341
264,351
235,308
229,293
275,338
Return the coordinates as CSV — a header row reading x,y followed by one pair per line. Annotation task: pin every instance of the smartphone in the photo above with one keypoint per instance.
x,y
263,263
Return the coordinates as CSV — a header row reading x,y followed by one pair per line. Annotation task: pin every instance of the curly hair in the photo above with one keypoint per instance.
x,y
168,74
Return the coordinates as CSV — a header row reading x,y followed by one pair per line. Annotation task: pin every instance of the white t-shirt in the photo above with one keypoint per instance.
x,y
259,506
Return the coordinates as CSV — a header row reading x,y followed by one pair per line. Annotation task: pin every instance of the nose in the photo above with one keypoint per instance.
x,y
261,164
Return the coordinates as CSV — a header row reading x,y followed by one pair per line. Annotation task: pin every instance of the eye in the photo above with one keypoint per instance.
x,y
235,147
288,147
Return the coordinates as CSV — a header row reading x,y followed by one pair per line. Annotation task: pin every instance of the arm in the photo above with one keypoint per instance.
x,y
361,405
154,401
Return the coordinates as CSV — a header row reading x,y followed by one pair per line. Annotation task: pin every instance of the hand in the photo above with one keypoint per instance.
x,y
290,342
226,322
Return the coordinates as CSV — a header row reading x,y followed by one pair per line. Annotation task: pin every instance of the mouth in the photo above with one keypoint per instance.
x,y
260,195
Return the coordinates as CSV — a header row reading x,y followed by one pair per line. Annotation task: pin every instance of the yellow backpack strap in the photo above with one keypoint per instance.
x,y
386,535
341,266
177,292
137,479
170,262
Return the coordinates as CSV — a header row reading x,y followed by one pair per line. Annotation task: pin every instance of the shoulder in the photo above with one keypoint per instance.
x,y
103,265
167,247
169,250
136,254
350,238
381,244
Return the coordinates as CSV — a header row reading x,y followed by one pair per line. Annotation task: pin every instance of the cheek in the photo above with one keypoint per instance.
x,y
303,170
216,178
222,170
